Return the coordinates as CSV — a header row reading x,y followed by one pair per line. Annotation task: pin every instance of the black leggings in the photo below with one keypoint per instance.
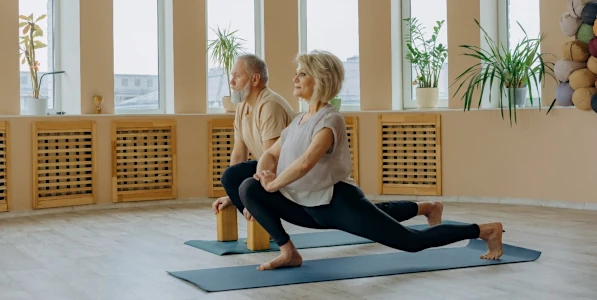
x,y
234,176
349,211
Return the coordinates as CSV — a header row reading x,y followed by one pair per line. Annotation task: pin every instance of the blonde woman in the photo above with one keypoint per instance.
x,y
304,179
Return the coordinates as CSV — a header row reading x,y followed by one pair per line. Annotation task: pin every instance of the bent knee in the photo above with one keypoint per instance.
x,y
250,189
234,175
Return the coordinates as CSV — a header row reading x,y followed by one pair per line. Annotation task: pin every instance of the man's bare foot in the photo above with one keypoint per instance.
x,y
288,258
492,235
434,216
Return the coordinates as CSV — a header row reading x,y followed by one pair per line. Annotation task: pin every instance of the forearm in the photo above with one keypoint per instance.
x,y
294,172
267,162
237,158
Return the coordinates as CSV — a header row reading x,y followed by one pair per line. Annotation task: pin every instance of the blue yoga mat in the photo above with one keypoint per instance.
x,y
301,241
246,277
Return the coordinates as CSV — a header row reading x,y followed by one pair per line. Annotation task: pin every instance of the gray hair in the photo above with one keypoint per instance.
x,y
254,64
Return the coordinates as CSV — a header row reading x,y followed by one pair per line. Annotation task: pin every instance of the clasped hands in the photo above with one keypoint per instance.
x,y
266,177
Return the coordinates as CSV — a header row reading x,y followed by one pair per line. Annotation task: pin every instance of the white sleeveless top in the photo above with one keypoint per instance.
x,y
317,186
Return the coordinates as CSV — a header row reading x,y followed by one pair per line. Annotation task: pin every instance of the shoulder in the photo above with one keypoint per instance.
x,y
333,118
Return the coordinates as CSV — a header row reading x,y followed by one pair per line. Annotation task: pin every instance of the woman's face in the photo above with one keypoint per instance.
x,y
303,84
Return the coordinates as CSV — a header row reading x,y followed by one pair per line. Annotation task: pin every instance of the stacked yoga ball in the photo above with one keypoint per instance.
x,y
577,71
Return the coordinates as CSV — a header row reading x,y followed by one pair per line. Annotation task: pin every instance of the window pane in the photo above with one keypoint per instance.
x,y
240,19
44,56
428,18
136,55
525,12
338,33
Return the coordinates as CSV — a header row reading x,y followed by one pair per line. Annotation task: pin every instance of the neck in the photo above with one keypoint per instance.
x,y
252,97
314,106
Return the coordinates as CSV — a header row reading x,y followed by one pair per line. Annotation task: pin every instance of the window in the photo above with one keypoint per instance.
x,y
527,13
138,55
338,33
44,56
242,20
428,13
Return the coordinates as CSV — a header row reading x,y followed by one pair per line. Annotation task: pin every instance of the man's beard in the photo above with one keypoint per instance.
x,y
239,96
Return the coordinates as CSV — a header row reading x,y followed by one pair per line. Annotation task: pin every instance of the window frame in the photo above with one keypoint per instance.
x,y
259,47
162,76
303,105
504,37
408,102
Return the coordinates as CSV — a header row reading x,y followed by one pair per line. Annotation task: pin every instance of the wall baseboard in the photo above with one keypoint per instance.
x,y
375,198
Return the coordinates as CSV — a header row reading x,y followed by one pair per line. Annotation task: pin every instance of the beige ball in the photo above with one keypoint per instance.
x,y
592,64
582,98
582,78
576,51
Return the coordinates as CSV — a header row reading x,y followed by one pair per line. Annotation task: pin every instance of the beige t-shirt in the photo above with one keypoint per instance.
x,y
271,114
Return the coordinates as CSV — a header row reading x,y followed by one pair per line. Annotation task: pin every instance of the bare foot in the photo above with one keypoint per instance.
x,y
492,235
434,217
286,259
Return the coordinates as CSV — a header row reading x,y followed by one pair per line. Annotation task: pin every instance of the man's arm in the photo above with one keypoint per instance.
x,y
269,159
240,152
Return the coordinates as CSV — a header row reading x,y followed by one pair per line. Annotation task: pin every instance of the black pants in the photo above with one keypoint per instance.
x,y
349,211
234,176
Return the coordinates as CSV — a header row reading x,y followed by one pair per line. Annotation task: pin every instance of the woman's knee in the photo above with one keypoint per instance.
x,y
250,189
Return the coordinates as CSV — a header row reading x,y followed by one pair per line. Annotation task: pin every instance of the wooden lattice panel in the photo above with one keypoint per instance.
x,y
410,154
4,160
220,136
63,161
143,160
352,129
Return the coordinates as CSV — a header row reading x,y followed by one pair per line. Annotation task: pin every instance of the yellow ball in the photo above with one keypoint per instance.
x,y
582,98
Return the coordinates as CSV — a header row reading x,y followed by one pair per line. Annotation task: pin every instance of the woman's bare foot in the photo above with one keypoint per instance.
x,y
435,215
289,257
492,235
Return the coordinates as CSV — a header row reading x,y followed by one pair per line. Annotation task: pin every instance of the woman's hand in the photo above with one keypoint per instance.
x,y
266,178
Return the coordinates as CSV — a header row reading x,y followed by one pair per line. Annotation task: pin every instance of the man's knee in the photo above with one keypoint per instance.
x,y
250,189
234,175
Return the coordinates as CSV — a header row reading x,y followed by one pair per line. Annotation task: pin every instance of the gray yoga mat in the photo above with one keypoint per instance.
x,y
435,259
301,241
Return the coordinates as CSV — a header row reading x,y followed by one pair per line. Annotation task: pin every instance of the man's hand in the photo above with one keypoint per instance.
x,y
266,178
220,204
247,215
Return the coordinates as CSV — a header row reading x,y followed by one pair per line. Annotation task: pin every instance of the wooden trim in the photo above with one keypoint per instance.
x,y
220,142
70,149
149,145
353,122
415,168
4,186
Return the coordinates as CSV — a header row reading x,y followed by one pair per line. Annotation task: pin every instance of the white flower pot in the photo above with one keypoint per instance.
x,y
427,97
37,107
228,105
518,96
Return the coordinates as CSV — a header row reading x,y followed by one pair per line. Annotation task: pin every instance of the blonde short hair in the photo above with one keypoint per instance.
x,y
326,69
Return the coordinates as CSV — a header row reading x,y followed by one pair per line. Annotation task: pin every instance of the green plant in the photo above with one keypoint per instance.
x,y
225,49
426,55
31,31
519,68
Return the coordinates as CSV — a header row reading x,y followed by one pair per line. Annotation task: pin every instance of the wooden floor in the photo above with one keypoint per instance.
x,y
124,254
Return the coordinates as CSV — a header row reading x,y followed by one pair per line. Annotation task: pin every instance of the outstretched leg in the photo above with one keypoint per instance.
x,y
404,210
350,211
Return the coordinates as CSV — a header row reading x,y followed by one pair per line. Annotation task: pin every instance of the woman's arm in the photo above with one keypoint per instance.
x,y
269,160
320,144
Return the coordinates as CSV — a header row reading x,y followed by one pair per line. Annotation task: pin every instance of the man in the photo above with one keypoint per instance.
x,y
261,115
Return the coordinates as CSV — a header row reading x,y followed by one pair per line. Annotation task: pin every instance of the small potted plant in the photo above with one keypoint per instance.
x,y
427,56
512,72
37,104
224,51
336,102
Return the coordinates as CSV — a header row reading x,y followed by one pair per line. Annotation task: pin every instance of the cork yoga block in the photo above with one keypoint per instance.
x,y
582,78
576,51
582,98
563,68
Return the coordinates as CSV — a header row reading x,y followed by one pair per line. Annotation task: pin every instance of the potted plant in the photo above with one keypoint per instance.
x,y
224,51
512,72
336,102
427,57
37,104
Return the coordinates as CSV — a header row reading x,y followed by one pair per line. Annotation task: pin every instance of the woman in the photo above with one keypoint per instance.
x,y
304,178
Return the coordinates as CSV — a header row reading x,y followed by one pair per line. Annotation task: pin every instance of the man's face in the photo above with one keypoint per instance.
x,y
239,82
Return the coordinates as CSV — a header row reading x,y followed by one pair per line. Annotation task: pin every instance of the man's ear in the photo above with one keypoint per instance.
x,y
255,79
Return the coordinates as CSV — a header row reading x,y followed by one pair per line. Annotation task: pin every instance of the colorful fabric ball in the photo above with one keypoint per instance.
x,y
575,7
569,24
589,13
585,33
582,98
563,68
564,94
576,51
